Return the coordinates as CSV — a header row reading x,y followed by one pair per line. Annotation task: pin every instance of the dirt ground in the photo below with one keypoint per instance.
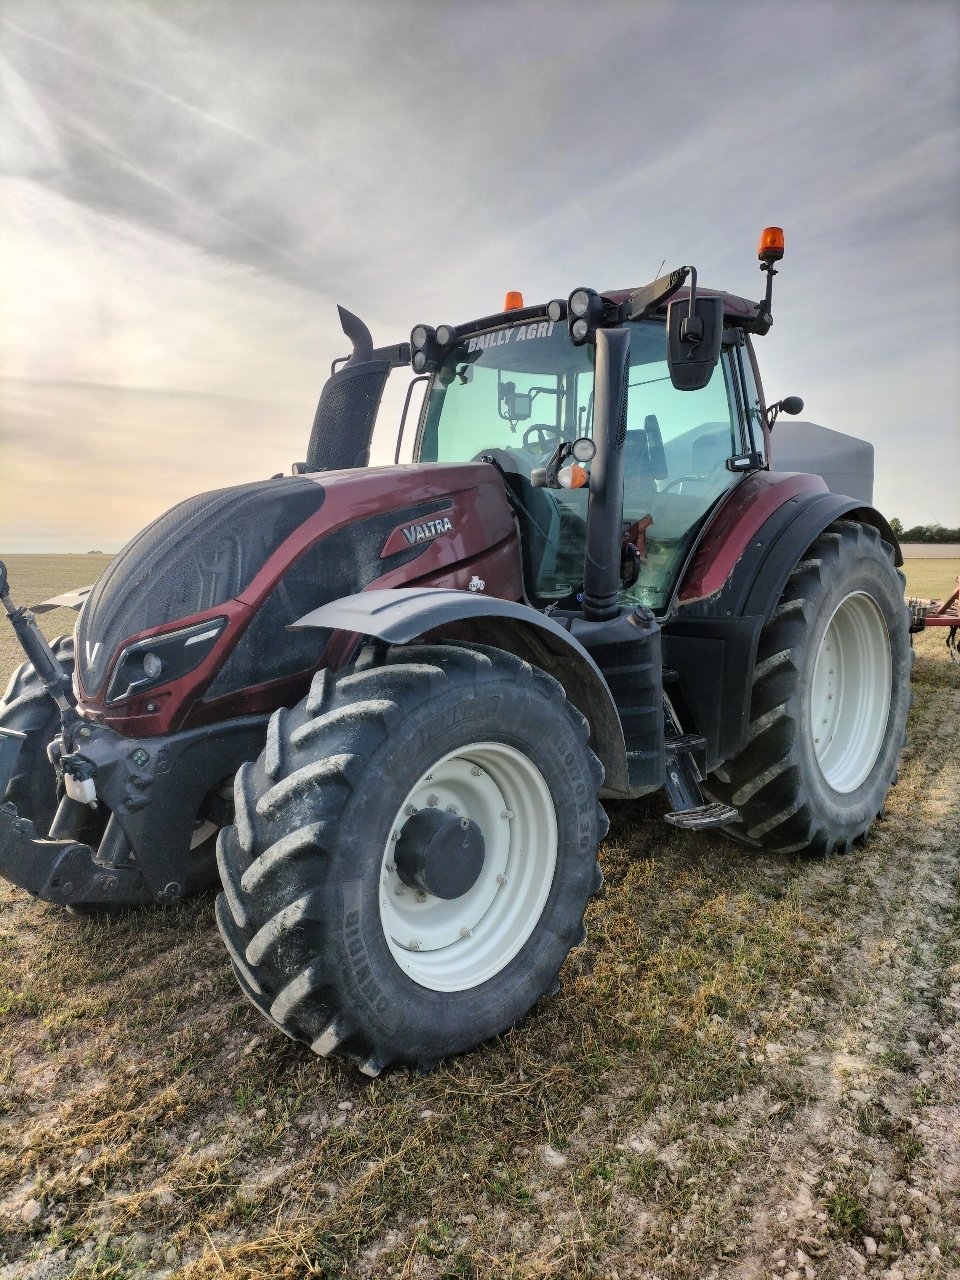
x,y
752,1070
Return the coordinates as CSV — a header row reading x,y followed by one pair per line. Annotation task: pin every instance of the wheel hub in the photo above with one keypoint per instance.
x,y
850,692
440,853
468,866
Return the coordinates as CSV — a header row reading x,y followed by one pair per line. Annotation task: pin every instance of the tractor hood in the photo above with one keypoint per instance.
x,y
195,557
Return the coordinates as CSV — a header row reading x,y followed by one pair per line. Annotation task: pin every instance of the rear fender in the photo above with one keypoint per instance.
x,y
742,562
410,613
711,637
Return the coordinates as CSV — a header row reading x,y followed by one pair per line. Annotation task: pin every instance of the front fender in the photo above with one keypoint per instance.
x,y
408,613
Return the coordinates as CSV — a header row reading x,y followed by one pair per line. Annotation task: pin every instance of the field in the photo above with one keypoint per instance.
x,y
752,1069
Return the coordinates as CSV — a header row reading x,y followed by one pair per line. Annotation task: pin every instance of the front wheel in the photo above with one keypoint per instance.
x,y
829,702
412,855
26,707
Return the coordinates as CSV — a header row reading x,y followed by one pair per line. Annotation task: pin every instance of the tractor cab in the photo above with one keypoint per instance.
x,y
514,390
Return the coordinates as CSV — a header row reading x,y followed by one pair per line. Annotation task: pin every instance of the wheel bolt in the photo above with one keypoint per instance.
x,y
502,879
465,933
400,890
409,809
476,771
464,824
414,944
421,896
451,808
508,814
433,801
390,866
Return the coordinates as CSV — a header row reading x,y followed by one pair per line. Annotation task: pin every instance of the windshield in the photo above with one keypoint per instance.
x,y
514,393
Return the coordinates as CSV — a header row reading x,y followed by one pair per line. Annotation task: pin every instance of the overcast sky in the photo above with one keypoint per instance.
x,y
187,190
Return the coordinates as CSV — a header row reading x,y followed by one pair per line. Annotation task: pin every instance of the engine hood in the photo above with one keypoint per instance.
x,y
199,554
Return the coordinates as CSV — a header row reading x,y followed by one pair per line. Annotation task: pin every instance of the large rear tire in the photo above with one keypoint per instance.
x,y
829,703
27,707
412,855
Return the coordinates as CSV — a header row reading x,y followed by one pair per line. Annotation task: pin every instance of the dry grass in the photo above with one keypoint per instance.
x,y
35,578
750,1057
931,579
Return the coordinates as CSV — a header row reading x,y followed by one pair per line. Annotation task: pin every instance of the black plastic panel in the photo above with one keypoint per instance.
x,y
343,423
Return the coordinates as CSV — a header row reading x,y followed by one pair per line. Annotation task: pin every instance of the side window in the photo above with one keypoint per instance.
x,y
677,446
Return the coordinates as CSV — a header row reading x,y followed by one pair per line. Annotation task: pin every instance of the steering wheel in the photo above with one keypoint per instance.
x,y
545,436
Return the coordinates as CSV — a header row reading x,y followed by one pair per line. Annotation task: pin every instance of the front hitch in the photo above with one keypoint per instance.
x,y
64,872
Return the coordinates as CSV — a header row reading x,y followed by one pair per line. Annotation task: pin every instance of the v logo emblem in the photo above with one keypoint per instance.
x,y
92,651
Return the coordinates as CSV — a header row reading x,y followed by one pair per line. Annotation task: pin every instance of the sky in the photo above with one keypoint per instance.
x,y
188,189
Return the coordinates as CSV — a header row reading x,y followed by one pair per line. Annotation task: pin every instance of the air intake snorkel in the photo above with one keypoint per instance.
x,y
347,410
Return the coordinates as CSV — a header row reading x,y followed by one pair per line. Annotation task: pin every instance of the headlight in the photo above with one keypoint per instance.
x,y
162,658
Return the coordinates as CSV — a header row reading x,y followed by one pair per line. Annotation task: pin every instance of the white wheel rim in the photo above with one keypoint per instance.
x,y
850,693
454,944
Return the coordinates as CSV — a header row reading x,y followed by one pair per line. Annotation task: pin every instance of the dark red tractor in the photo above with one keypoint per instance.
x,y
385,703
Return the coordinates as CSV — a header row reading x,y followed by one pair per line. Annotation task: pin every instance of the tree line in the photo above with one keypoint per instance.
x,y
935,532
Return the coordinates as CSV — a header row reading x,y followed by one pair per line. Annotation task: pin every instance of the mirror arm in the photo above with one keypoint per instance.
x,y
691,330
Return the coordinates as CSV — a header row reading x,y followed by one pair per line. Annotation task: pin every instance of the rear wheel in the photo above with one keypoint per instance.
x,y
829,703
412,856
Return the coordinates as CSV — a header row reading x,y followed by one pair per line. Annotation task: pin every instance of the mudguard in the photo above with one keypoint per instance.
x,y
405,613
731,589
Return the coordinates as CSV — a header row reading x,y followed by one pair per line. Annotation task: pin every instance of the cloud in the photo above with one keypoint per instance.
x,y
190,188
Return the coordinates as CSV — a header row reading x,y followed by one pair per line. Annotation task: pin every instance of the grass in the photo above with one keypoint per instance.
x,y
35,578
746,1049
931,579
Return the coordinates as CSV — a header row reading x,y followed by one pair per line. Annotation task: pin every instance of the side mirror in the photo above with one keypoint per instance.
x,y
693,341
790,404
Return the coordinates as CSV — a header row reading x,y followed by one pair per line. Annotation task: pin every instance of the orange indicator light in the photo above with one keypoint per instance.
x,y
771,244
573,477
513,301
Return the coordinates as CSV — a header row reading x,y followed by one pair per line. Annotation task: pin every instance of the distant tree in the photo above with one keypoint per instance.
x,y
897,527
934,532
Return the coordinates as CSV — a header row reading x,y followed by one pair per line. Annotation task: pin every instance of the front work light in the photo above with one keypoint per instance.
x,y
423,340
584,314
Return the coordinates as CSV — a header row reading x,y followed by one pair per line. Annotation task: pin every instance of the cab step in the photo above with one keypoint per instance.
x,y
703,817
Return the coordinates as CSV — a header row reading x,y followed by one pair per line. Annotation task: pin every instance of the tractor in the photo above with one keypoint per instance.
x,y
384,705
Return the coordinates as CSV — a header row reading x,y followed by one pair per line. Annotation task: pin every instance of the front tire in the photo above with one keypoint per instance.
x,y
412,855
829,702
28,708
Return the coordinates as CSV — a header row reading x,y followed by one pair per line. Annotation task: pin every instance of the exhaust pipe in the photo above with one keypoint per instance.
x,y
601,570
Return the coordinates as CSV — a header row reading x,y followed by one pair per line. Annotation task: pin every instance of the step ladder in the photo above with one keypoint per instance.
x,y
683,777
